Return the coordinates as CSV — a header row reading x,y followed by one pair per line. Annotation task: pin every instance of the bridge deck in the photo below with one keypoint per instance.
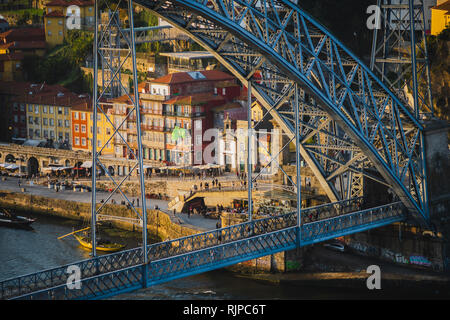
x,y
124,271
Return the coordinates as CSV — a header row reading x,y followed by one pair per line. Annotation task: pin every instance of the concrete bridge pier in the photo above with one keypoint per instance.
x,y
438,175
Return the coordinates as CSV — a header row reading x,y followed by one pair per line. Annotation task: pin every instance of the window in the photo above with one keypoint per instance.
x,y
77,128
59,110
75,115
83,116
49,33
66,136
83,128
22,119
198,157
36,120
60,23
30,132
66,123
49,21
30,108
83,142
198,139
44,109
77,141
50,109
37,133
45,121
22,107
52,133
36,109
45,134
66,111
52,122
16,118
60,123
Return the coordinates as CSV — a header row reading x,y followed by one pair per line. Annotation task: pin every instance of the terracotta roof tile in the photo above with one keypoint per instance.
x,y
182,77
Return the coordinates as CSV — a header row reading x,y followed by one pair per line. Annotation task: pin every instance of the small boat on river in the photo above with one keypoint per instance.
x,y
101,244
8,219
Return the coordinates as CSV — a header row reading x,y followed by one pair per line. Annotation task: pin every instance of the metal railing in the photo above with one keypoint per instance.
x,y
161,253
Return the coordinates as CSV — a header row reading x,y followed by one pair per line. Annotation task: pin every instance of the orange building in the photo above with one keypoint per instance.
x,y
80,115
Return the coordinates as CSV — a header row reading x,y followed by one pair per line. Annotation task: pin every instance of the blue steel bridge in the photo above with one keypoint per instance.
x,y
112,274
347,125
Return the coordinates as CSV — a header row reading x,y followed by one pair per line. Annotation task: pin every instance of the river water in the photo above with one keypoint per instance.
x,y
28,251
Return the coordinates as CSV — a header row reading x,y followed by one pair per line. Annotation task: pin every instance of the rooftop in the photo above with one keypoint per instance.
x,y
23,34
183,77
55,95
188,55
55,14
444,6
64,3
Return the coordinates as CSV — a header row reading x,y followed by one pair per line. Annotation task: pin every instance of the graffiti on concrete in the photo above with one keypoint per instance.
x,y
419,260
292,265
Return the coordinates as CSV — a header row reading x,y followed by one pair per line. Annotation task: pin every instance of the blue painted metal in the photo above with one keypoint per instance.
x,y
287,45
345,107
403,29
122,272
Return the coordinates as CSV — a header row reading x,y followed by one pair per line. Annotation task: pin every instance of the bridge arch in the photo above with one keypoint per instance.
x,y
357,122
32,166
9,158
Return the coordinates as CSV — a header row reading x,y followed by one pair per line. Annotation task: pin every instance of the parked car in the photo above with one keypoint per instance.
x,y
335,245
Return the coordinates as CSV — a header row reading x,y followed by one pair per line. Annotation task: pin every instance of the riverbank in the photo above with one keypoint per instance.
x,y
356,280
161,225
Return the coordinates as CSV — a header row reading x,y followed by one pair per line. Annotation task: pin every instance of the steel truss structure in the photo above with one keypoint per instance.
x,y
349,120
399,52
343,120
114,45
126,271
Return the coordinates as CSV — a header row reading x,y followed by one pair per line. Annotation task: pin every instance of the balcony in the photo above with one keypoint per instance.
x,y
152,128
177,114
151,111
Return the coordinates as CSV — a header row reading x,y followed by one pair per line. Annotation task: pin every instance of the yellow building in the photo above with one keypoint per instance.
x,y
104,131
55,18
440,17
48,112
11,66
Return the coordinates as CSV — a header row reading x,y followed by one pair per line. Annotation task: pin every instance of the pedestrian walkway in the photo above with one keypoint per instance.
x,y
196,222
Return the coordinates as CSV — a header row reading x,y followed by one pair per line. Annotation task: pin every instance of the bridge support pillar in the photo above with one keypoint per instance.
x,y
438,167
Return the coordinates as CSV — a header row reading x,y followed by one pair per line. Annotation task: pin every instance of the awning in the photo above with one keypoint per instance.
x,y
10,166
87,164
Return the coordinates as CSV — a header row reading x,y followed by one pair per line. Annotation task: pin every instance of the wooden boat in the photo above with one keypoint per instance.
x,y
11,220
102,245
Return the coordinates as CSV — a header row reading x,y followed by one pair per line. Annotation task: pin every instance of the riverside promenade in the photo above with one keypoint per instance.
x,y
196,222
